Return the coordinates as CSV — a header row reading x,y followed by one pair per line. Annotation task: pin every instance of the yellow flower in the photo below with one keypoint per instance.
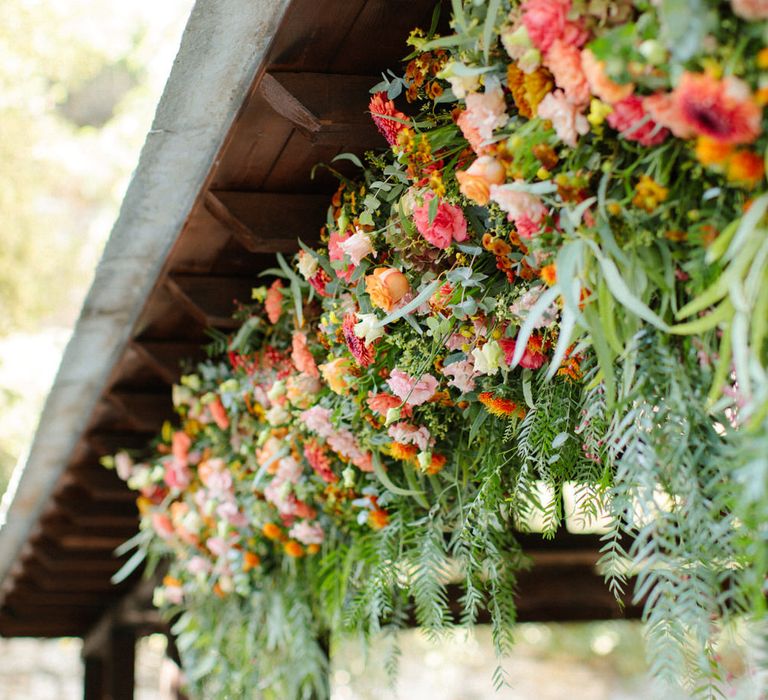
x,y
649,194
598,111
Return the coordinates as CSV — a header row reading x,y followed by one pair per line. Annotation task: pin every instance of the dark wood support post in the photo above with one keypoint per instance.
x,y
120,664
93,681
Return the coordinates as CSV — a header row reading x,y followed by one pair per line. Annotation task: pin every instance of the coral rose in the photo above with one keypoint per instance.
x,y
485,112
564,62
518,205
335,374
357,246
386,286
547,21
449,224
301,355
475,182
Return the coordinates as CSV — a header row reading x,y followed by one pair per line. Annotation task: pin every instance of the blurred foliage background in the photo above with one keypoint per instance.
x,y
79,82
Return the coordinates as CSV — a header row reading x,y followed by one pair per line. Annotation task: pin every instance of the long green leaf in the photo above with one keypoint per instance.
x,y
488,27
383,477
423,296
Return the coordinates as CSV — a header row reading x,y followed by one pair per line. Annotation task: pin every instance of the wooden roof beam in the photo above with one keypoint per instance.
x,y
145,410
210,299
166,357
265,222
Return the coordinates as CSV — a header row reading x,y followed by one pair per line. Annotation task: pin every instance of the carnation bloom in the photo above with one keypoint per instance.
x,y
631,120
335,374
517,204
528,89
448,225
411,390
306,533
475,182
723,110
319,281
318,420
357,246
162,525
318,460
501,407
307,264
566,117
462,375
751,10
388,119
359,350
336,253
386,286
382,402
301,356
547,21
273,304
564,62
599,83
485,112
533,357
408,434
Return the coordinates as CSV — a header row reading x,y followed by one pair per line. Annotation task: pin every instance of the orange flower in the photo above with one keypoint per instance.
x,y
599,82
219,413
386,286
293,549
170,581
528,89
335,374
498,406
548,273
273,304
313,548
745,167
272,531
378,518
437,464
403,452
250,561
711,152
475,182
218,591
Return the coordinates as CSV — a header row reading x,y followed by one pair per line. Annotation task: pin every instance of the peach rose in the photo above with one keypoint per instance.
x,y
750,9
475,182
386,286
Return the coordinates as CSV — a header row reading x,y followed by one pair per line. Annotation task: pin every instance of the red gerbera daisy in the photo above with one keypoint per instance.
x,y
383,111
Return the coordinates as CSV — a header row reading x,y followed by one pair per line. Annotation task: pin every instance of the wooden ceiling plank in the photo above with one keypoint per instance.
x,y
145,410
211,299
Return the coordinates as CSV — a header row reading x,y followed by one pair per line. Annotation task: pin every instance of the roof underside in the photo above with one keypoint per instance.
x,y
257,97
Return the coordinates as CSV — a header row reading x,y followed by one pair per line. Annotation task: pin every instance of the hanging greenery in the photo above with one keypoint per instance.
x,y
556,275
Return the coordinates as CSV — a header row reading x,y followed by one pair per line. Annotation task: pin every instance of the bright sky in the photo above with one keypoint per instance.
x,y
143,36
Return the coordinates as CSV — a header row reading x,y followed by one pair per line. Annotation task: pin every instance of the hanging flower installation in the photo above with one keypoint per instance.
x,y
558,272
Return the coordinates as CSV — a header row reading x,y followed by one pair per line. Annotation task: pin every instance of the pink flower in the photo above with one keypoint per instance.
x,y
123,465
382,402
177,475
336,252
564,61
462,375
230,513
273,304
198,565
448,225
411,390
566,117
307,533
357,347
485,112
410,435
364,462
526,227
162,525
318,420
455,341
518,205
750,9
547,21
217,546
388,119
357,246
634,123
302,357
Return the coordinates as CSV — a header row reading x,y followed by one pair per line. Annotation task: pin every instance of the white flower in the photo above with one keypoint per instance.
x,y
276,391
307,264
368,328
277,415
357,246
461,83
488,358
